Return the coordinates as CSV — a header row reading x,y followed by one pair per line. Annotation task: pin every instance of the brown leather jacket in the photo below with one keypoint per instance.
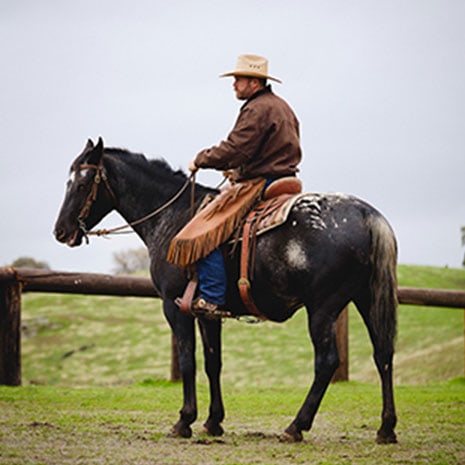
x,y
264,142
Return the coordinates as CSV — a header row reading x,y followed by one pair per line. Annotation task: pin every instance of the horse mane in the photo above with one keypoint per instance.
x,y
158,167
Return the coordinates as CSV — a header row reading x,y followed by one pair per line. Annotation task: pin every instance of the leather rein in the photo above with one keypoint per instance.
x,y
100,175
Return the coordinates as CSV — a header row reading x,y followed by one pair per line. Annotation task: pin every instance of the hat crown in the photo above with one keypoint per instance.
x,y
251,66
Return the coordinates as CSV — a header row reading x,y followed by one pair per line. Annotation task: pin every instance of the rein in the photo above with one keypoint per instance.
x,y
99,175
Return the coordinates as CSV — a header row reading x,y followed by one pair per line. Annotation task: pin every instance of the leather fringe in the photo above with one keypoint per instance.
x,y
213,225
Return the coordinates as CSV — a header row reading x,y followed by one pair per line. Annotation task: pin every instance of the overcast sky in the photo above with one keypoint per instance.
x,y
378,86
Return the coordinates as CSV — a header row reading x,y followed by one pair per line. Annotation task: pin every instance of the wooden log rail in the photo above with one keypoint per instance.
x,y
33,280
15,281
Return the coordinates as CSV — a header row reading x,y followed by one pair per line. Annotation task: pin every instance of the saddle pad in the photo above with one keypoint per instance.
x,y
273,212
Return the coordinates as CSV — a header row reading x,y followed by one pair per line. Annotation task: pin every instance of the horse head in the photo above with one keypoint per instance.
x,y
85,202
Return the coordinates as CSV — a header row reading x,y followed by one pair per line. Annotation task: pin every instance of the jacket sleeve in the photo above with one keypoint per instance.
x,y
241,144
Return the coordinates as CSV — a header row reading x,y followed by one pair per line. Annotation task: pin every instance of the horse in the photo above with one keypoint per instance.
x,y
332,249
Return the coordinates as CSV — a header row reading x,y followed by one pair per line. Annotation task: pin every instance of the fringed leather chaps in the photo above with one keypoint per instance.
x,y
213,225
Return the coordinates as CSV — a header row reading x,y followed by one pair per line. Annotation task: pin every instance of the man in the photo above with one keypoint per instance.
x,y
263,146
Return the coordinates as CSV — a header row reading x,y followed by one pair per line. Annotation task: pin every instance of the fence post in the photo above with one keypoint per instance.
x,y
342,341
10,331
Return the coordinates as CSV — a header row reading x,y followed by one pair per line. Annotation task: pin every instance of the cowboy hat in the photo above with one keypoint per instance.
x,y
251,66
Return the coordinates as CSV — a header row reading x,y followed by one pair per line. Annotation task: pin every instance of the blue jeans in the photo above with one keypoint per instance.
x,y
212,274
212,278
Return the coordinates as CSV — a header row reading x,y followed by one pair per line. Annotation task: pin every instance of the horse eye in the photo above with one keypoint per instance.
x,y
80,187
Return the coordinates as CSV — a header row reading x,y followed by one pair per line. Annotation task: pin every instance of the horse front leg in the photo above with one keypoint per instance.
x,y
184,332
322,331
211,338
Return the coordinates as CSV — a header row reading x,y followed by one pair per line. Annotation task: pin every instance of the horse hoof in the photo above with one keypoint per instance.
x,y
287,436
213,429
386,438
180,431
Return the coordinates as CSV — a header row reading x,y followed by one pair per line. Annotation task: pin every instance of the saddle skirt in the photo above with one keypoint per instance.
x,y
278,199
269,214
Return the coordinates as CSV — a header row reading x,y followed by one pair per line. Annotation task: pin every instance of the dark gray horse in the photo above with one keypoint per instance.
x,y
333,249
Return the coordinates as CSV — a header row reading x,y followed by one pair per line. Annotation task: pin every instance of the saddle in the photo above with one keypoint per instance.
x,y
265,215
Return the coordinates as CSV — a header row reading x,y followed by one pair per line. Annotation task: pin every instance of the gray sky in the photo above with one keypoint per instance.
x,y
378,86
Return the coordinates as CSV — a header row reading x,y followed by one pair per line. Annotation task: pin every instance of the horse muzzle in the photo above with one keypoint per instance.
x,y
72,239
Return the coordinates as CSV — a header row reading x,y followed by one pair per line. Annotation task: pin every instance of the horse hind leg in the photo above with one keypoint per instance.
x,y
378,307
381,329
386,434
323,335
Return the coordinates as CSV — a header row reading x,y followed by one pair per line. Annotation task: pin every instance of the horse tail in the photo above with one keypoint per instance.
x,y
383,281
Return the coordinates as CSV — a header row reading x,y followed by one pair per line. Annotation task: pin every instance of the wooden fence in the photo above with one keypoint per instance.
x,y
13,282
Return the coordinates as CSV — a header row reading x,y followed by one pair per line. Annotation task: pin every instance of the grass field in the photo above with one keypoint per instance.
x,y
128,425
95,388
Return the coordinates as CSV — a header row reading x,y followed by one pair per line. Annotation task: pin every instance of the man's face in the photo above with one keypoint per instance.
x,y
243,86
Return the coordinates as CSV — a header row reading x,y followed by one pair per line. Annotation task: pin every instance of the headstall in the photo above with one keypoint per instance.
x,y
100,175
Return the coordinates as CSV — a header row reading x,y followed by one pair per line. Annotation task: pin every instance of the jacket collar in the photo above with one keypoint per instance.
x,y
266,90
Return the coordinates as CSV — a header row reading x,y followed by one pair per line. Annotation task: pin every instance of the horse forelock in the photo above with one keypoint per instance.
x,y
80,160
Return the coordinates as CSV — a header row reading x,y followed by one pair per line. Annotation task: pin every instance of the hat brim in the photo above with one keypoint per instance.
x,y
250,74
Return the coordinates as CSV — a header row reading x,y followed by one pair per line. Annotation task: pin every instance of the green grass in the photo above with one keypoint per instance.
x,y
431,277
95,388
125,425
87,340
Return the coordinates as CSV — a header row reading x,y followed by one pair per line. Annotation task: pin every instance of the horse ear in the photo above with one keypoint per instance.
x,y
89,145
99,145
97,152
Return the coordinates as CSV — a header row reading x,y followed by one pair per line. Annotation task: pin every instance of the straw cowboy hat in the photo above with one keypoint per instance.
x,y
251,66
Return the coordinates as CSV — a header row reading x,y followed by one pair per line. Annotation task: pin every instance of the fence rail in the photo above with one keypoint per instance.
x,y
15,281
34,280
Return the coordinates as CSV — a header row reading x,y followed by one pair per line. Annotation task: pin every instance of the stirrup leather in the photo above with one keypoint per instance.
x,y
185,302
248,251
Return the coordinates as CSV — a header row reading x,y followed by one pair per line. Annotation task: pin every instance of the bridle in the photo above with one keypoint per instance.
x,y
100,175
